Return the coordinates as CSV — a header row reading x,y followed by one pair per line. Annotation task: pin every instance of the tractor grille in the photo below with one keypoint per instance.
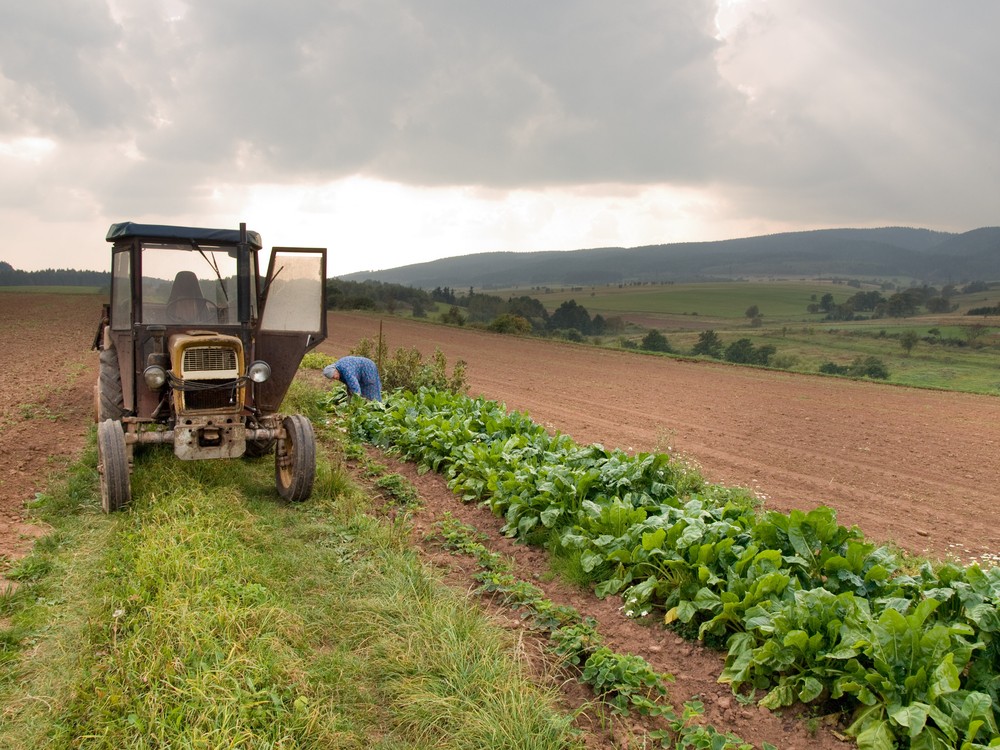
x,y
209,359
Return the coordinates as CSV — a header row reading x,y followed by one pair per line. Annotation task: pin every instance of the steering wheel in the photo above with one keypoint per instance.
x,y
192,310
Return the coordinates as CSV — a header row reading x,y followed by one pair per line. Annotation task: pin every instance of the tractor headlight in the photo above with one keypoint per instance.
x,y
155,377
259,371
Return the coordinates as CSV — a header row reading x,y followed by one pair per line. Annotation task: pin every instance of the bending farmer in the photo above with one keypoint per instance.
x,y
358,374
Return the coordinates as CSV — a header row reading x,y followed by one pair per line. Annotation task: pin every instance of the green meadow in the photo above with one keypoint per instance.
x,y
782,300
953,351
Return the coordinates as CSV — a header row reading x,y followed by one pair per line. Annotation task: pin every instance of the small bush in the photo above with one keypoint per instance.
x,y
784,361
453,317
511,324
869,367
407,370
861,367
709,345
654,341
570,334
314,361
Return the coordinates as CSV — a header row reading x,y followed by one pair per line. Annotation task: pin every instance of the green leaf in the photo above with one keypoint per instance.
x,y
686,611
783,695
706,599
550,515
979,708
653,540
931,739
913,717
797,529
945,678
811,690
590,560
608,587
798,639
878,736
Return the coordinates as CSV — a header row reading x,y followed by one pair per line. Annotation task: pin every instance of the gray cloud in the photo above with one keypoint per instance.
x,y
842,112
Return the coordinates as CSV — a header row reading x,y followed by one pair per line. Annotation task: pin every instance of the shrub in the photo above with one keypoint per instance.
x,y
868,367
508,323
861,367
453,317
762,354
407,370
785,361
654,341
570,334
740,352
709,344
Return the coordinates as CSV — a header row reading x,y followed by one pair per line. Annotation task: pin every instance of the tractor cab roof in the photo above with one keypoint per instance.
x,y
127,229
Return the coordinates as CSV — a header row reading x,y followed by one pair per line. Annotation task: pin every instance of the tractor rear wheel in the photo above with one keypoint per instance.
x,y
295,459
110,403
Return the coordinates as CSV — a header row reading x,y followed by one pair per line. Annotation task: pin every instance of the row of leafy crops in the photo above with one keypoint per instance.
x,y
808,610
625,682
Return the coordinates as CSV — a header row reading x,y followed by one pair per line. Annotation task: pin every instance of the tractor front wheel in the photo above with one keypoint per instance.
x,y
295,459
112,465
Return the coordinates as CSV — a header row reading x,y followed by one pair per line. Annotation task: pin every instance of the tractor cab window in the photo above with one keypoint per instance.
x,y
185,285
295,289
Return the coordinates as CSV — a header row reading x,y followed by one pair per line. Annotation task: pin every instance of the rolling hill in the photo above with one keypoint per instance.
x,y
887,253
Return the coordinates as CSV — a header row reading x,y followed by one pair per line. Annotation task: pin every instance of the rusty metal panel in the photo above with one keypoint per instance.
x,y
283,352
207,437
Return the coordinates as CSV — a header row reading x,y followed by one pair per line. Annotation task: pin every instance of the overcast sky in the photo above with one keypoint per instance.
x,y
399,131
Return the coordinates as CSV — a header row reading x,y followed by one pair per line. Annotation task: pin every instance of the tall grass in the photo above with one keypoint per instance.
x,y
212,615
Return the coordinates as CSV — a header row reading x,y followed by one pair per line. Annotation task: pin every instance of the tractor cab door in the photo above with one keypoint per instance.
x,y
292,319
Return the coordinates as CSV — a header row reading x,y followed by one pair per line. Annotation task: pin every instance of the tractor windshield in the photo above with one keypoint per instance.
x,y
189,285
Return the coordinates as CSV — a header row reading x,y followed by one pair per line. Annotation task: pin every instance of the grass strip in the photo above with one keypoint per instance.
x,y
211,615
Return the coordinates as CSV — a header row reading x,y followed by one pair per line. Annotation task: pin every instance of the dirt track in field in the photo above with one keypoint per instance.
x,y
915,467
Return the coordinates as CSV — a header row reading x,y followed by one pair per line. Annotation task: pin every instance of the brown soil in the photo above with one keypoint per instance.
x,y
46,400
917,468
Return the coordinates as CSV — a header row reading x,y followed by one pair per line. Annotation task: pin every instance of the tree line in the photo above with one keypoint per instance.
x,y
902,304
10,276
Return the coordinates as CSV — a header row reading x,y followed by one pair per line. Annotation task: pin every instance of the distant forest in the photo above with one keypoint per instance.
x,y
10,276
899,254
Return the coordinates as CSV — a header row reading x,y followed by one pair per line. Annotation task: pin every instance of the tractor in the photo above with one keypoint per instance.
x,y
197,350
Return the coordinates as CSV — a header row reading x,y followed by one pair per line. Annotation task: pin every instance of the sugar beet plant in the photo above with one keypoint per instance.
x,y
626,683
808,610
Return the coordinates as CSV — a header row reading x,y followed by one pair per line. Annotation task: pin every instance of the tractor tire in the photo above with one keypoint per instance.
x,y
295,459
109,401
112,466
